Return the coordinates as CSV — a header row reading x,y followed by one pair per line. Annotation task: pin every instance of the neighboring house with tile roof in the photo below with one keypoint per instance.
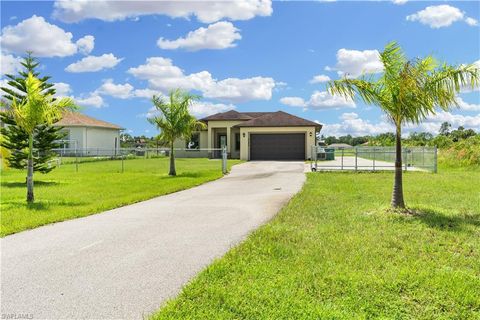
x,y
89,135
256,136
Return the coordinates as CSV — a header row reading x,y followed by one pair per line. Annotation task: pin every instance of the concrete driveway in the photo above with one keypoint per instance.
x,y
125,262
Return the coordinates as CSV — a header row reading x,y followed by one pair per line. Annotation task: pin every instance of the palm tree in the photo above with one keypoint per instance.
x,y
407,92
35,109
174,120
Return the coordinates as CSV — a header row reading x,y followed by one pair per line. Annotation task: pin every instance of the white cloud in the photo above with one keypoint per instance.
x,y
467,106
85,45
202,109
399,2
320,79
145,93
42,38
92,100
354,63
62,89
433,122
163,75
10,64
121,91
293,101
205,11
441,16
355,126
351,123
220,35
319,100
94,63
325,100
471,22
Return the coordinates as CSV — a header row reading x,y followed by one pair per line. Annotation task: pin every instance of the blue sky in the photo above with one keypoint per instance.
x,y
252,56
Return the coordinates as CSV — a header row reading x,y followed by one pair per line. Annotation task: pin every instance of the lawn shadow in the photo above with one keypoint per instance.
x,y
17,184
437,220
42,205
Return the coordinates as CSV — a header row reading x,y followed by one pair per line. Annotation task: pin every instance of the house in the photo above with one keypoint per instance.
x,y
88,135
255,136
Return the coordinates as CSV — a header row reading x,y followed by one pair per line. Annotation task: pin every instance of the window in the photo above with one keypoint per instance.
x,y
194,142
237,141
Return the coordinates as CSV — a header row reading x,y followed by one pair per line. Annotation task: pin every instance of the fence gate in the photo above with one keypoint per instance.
x,y
373,158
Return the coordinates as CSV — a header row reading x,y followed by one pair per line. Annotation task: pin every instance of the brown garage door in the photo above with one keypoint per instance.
x,y
289,146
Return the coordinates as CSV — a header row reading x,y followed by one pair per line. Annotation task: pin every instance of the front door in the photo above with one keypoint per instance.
x,y
222,140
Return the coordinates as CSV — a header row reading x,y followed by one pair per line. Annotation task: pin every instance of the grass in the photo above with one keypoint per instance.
x,y
334,253
97,186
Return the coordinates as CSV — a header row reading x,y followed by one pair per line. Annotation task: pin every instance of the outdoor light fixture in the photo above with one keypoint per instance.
x,y
244,134
310,134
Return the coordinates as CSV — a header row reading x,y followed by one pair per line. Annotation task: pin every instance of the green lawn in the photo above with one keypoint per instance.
x,y
334,253
97,186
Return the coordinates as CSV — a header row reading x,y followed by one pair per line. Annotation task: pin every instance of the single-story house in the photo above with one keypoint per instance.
x,y
255,136
89,135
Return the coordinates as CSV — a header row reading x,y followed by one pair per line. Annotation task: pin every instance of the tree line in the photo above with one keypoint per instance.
x,y
445,138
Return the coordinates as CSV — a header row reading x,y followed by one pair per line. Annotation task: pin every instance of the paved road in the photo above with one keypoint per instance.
x,y
125,262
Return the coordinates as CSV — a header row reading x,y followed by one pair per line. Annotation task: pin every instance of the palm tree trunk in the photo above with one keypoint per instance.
x,y
172,161
397,195
30,197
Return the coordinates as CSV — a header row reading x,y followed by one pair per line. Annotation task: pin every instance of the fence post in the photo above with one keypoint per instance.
x,y
405,158
224,159
356,158
342,157
374,158
122,163
435,159
76,161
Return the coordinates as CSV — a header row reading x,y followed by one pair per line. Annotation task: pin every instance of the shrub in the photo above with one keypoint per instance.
x,y
463,153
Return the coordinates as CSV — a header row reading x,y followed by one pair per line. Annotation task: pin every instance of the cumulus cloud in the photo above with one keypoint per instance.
x,y
42,38
62,89
293,101
320,78
319,100
91,100
85,45
202,109
463,105
352,124
204,11
121,91
399,2
10,64
441,16
353,63
94,63
220,35
163,75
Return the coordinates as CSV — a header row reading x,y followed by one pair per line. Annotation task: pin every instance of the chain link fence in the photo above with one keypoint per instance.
x,y
373,158
77,157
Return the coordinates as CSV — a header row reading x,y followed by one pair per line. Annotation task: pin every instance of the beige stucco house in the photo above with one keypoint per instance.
x,y
255,136
89,135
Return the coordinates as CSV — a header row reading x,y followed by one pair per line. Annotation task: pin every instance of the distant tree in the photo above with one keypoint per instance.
x,y
461,134
15,139
174,120
407,92
34,110
445,129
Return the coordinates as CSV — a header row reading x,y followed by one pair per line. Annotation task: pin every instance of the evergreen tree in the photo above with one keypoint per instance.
x,y
14,138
